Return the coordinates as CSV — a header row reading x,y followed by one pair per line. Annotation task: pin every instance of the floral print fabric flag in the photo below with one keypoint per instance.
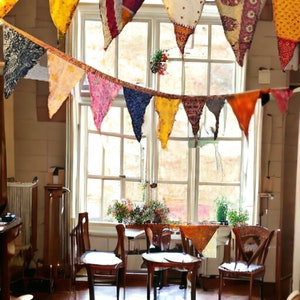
x,y
137,103
20,55
166,109
115,14
239,18
62,13
193,107
102,92
6,6
184,14
63,76
282,96
286,15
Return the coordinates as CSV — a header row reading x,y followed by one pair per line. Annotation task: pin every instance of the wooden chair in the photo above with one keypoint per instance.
x,y
103,268
195,238
158,239
252,244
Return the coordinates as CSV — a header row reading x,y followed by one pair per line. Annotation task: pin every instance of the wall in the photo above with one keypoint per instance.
x,y
37,145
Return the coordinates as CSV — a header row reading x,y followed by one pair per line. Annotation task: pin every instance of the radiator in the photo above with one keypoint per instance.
x,y
22,203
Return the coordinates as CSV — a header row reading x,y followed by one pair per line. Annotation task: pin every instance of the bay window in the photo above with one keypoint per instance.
x,y
113,165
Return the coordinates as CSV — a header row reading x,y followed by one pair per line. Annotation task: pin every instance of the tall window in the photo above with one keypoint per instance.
x,y
114,165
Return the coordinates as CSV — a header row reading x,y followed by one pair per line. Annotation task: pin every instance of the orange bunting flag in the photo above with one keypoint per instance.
x,y
282,96
286,15
166,110
184,14
62,13
239,19
243,106
63,76
6,6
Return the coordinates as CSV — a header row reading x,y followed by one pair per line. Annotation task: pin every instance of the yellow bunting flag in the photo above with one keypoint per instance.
x,y
62,13
166,110
243,106
63,76
6,6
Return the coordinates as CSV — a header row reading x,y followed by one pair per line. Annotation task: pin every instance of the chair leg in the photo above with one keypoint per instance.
x,y
262,289
250,288
220,285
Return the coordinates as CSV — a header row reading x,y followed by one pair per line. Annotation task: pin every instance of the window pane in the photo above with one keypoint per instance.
x,y
197,45
220,161
133,58
222,79
95,154
196,78
207,196
174,196
171,82
112,121
93,199
94,54
220,48
132,158
171,159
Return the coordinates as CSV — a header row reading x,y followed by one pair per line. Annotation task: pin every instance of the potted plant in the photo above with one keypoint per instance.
x,y
222,209
238,217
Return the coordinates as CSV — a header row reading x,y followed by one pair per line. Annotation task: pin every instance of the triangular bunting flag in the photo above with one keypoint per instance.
x,y
6,6
185,16
137,103
62,13
282,96
115,14
63,76
243,106
215,105
166,110
102,92
286,15
239,20
20,55
193,107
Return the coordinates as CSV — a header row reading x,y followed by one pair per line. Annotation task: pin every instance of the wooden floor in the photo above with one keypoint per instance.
x,y
138,291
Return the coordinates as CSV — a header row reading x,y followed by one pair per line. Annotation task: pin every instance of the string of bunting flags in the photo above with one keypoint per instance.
x,y
22,53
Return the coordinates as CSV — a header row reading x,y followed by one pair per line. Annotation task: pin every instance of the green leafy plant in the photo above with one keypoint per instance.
x,y
222,204
238,217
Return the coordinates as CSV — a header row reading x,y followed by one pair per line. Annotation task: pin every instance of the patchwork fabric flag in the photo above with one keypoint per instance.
x,y
243,106
20,55
215,105
6,6
286,16
166,109
102,92
63,76
184,14
282,96
239,18
115,14
137,103
62,13
193,107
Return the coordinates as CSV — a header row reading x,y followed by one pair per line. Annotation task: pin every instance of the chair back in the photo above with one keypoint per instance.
x,y
252,243
195,237
120,248
158,237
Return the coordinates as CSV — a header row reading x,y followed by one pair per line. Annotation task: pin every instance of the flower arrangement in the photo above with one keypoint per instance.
x,y
124,211
158,62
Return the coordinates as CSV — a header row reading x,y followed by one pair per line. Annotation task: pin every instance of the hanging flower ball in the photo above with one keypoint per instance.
x,y
158,62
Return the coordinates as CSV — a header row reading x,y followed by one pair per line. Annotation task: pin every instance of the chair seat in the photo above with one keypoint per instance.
x,y
100,258
241,267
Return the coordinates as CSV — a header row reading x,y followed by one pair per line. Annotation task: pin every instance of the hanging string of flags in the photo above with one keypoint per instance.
x,y
23,51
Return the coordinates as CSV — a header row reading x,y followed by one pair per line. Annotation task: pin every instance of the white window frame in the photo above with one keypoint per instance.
x,y
78,160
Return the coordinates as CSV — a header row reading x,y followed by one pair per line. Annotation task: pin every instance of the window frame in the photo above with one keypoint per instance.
x,y
83,100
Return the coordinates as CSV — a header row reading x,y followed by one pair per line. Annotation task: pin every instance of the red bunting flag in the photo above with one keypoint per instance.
x,y
115,14
282,96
